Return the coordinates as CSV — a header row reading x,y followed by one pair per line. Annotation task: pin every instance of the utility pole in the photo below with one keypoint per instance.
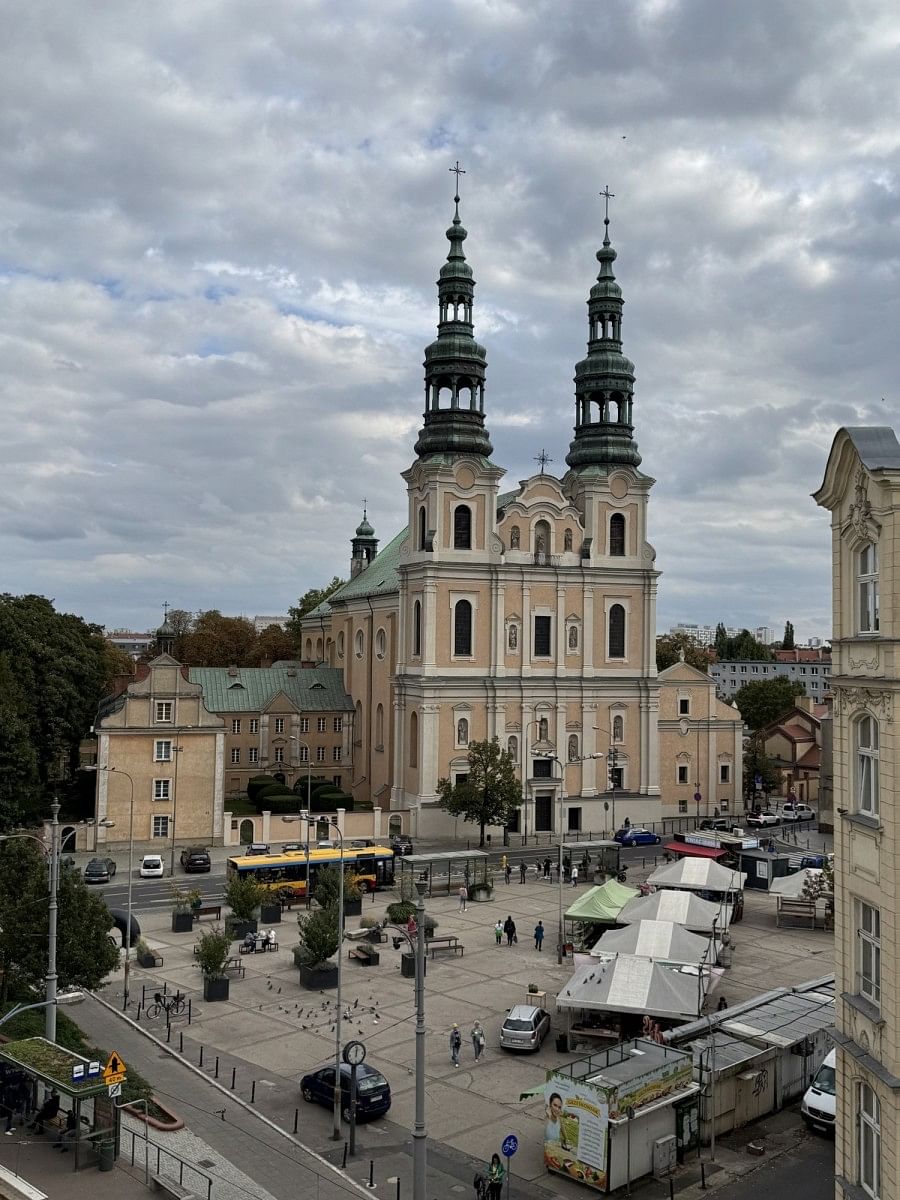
x,y
53,912
420,1170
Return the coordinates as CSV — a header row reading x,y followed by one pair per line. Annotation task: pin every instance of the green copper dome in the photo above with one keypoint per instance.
x,y
604,380
454,363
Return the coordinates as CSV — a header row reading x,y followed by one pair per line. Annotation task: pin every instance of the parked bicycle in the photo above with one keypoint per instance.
x,y
172,1006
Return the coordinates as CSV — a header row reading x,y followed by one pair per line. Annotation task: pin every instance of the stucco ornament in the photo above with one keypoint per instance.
x,y
879,703
861,509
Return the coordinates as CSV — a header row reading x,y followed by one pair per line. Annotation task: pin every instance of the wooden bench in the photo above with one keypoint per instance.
x,y
366,954
449,942
802,909
235,965
208,910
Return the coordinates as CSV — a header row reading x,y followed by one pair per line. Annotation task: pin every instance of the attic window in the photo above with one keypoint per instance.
x,y
314,686
232,686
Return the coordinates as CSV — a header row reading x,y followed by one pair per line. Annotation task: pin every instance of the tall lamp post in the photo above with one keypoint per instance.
x,y
176,750
119,771
562,798
308,804
420,1135
50,979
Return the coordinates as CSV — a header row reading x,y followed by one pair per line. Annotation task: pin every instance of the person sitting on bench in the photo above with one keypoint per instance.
x,y
67,1134
48,1110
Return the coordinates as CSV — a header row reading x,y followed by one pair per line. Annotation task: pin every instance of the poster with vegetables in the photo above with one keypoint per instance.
x,y
575,1130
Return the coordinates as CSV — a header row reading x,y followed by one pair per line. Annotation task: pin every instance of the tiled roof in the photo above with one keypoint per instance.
x,y
249,689
799,733
812,758
382,574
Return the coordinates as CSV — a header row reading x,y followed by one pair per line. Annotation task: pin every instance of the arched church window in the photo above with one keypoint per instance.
x,y
308,649
462,628
417,629
541,541
573,747
422,523
360,643
514,538
462,527
618,728
567,540
462,732
573,637
413,740
617,534
617,631
512,747
380,643
340,644
379,726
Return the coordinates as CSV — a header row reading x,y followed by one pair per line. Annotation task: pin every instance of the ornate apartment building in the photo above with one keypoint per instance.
x,y
861,490
526,614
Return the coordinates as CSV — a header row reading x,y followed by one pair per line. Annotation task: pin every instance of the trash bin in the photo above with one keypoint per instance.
x,y
562,1043
408,966
107,1155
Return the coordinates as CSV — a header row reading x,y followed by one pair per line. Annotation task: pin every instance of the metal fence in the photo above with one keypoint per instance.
x,y
164,1163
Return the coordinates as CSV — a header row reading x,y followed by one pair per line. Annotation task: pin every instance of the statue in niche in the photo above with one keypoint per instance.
x,y
573,637
573,747
539,544
567,540
513,637
512,747
462,732
543,729
514,538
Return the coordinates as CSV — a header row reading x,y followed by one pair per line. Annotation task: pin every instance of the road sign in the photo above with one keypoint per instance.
x,y
510,1145
114,1089
93,1069
78,1073
114,1071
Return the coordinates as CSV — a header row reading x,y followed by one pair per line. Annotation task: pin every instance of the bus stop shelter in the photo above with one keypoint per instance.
x,y
445,871
80,1086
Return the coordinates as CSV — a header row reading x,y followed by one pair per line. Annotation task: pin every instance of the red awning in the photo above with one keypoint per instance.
x,y
686,849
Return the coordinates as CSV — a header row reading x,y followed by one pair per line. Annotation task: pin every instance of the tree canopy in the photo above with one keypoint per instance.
x,y
210,639
308,601
85,954
763,701
743,647
491,793
670,645
787,642
758,763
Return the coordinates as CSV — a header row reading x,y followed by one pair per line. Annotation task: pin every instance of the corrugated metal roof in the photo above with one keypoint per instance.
x,y
250,689
784,1020
729,1052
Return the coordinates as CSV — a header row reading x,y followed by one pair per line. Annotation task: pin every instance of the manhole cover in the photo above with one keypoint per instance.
x,y
206,1162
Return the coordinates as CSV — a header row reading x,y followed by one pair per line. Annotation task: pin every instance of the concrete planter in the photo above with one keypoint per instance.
x,y
215,988
316,978
150,960
353,908
239,929
480,894
182,922
270,914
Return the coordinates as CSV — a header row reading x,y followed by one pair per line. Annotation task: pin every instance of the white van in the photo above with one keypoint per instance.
x,y
819,1103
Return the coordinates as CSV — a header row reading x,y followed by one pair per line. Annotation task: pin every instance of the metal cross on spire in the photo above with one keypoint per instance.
x,y
543,458
607,196
457,171
166,607
365,510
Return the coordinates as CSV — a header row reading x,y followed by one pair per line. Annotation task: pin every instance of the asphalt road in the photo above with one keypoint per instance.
x,y
806,1173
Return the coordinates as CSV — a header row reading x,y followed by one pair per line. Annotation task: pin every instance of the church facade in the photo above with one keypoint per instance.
x,y
527,613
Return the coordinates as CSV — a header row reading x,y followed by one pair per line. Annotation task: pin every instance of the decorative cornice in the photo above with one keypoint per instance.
x,y
880,702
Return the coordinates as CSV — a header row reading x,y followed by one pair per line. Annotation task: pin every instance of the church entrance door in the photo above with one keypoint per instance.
x,y
543,812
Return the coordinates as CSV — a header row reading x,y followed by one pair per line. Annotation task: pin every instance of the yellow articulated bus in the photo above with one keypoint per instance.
x,y
372,867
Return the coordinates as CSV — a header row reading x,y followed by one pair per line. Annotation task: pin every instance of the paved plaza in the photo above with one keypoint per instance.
x,y
271,1031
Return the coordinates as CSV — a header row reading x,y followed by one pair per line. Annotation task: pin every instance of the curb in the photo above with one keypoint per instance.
x,y
345,1180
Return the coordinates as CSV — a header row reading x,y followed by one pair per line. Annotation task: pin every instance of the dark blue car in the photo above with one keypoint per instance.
x,y
636,837
373,1092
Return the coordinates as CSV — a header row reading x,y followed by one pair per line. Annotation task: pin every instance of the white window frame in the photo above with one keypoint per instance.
x,y
868,952
279,754
159,826
867,592
359,643
536,616
162,789
335,754
321,724
682,804
338,725
254,724
279,724
304,724
320,754
164,712
235,756
380,644
679,768
254,754
304,754
724,772
235,724
866,765
162,750
684,706
458,743
868,1140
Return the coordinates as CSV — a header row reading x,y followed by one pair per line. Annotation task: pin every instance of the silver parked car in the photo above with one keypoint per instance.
x,y
525,1028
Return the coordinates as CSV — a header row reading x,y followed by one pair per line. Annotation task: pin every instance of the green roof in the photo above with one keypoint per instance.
x,y
383,572
250,689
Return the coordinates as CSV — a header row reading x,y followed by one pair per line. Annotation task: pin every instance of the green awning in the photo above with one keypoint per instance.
x,y
601,903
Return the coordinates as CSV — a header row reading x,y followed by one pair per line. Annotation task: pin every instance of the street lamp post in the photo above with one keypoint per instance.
x,y
50,1005
308,804
562,798
119,771
176,750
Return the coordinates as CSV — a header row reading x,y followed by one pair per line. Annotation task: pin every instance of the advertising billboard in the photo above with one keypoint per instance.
x,y
575,1131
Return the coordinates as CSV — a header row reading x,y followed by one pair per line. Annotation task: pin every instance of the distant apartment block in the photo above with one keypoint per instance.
x,y
134,644
261,623
704,635
815,675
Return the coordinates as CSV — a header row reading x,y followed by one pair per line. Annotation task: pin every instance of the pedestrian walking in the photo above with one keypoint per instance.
x,y
575,876
507,872
539,936
522,871
477,1040
547,866
557,870
509,928
722,1005
496,1175
463,897
455,1045
567,867
498,932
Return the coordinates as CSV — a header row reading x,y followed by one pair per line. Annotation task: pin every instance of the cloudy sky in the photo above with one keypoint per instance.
x,y
221,222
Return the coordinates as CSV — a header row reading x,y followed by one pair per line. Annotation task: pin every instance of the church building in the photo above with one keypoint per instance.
x,y
525,613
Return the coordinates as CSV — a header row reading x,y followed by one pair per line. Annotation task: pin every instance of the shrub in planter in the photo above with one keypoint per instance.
x,y
318,936
146,957
399,912
244,896
182,912
216,989
212,952
270,911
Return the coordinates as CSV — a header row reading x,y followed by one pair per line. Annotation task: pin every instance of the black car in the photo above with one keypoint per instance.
x,y
196,860
402,844
373,1092
99,870
257,848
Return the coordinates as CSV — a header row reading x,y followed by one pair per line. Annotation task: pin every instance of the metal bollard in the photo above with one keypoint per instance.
x,y
253,1092
703,1176
140,1007
398,1187
180,1042
168,1032
201,1057
143,994
190,1014
344,1159
233,1077
371,1182
671,1188
296,1118
217,1067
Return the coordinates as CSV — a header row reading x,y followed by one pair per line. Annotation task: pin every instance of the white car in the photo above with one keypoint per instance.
x,y
797,812
152,867
820,1102
761,820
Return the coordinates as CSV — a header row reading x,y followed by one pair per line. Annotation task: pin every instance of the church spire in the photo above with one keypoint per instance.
x,y
454,362
604,381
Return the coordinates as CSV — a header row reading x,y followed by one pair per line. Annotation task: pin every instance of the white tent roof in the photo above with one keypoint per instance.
x,y
634,985
792,885
662,940
698,874
684,908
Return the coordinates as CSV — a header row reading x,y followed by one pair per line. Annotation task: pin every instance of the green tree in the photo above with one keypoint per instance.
x,y
764,700
721,642
787,642
85,953
243,895
490,795
670,646
758,763
19,784
217,641
308,601
319,936
743,647
272,645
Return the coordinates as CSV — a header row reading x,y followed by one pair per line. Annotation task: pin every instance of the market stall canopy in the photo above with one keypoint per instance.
x,y
633,985
695,851
662,940
684,908
794,886
699,875
602,903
